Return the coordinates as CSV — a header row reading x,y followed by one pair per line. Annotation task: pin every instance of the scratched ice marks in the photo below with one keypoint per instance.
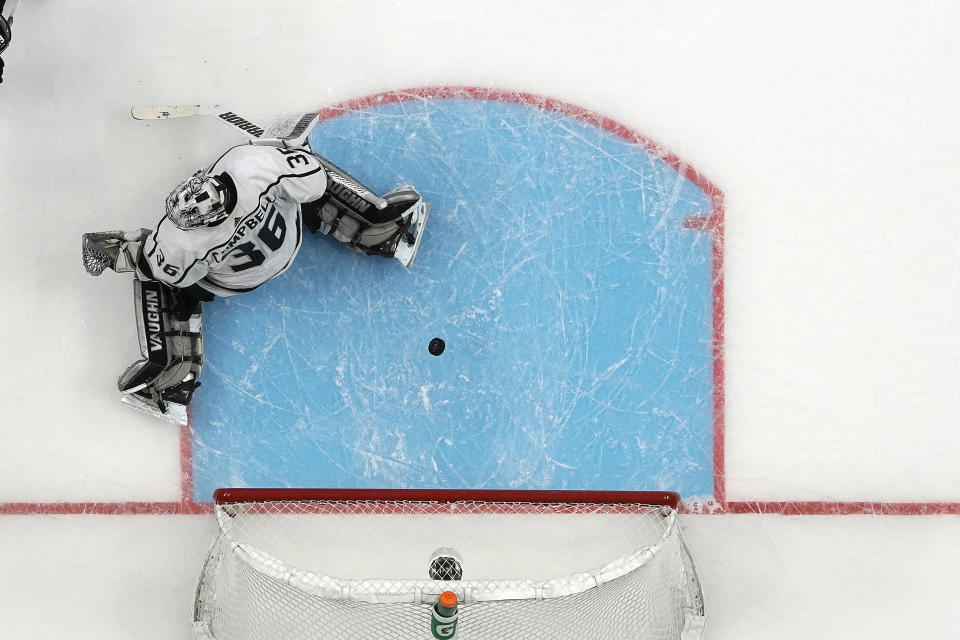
x,y
574,305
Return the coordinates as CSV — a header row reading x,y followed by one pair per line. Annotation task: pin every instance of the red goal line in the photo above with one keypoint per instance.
x,y
187,507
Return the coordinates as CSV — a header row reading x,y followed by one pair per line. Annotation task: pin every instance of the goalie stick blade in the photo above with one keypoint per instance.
x,y
407,253
176,413
293,128
236,122
150,112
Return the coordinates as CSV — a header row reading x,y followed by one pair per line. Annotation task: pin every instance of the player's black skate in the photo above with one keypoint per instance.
x,y
169,404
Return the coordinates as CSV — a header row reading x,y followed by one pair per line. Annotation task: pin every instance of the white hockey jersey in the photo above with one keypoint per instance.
x,y
259,239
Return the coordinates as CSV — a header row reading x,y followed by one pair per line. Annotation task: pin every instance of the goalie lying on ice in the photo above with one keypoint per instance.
x,y
227,230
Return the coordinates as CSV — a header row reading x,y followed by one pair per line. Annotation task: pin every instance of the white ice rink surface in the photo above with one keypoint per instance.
x,y
831,128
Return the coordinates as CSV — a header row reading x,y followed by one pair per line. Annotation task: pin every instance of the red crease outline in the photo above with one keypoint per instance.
x,y
712,222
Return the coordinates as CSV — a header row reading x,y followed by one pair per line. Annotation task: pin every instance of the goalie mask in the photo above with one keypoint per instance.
x,y
198,202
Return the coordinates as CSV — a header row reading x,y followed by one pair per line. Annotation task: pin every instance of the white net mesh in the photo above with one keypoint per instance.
x,y
359,569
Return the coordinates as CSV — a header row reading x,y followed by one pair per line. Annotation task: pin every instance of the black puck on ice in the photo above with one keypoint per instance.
x,y
436,346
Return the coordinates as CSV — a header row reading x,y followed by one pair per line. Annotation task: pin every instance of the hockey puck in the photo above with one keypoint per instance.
x,y
436,346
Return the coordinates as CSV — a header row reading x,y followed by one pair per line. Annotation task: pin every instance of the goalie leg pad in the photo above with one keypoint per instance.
x,y
393,231
169,327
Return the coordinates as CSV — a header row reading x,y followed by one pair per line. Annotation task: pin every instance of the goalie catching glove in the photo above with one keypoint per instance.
x,y
117,250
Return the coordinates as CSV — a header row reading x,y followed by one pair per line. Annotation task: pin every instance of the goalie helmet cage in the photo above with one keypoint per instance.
x,y
354,563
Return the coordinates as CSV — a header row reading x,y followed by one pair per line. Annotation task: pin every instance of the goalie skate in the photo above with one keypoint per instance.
x,y
409,244
175,412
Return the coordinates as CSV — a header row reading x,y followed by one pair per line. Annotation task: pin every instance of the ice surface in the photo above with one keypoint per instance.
x,y
562,273
830,128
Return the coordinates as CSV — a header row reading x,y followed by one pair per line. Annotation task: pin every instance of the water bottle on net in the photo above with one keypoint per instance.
x,y
443,616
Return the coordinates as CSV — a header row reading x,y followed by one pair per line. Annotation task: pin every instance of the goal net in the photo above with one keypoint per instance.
x,y
305,564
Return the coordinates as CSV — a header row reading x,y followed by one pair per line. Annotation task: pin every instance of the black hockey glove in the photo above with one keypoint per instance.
x,y
5,36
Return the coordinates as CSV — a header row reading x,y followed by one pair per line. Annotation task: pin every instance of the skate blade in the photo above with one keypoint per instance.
x,y
176,413
407,253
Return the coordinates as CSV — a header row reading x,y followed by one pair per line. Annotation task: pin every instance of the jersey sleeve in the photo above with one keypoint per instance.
x,y
300,176
295,174
173,256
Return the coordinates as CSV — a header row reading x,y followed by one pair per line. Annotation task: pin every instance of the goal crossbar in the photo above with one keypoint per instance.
x,y
492,496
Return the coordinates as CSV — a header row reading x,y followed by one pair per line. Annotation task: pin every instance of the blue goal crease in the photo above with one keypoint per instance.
x,y
575,308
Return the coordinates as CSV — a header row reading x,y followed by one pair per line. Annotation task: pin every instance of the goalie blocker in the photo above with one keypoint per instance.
x,y
171,342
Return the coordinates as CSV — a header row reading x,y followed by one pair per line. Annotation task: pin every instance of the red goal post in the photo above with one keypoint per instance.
x,y
357,563
488,496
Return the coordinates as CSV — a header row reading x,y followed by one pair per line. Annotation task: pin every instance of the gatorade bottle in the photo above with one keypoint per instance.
x,y
443,619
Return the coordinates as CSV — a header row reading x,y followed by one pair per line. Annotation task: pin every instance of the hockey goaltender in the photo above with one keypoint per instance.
x,y
227,230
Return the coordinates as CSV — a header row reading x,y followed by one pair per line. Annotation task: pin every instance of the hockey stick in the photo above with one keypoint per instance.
x,y
226,116
288,131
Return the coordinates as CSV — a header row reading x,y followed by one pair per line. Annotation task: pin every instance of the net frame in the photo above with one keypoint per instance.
x,y
456,502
